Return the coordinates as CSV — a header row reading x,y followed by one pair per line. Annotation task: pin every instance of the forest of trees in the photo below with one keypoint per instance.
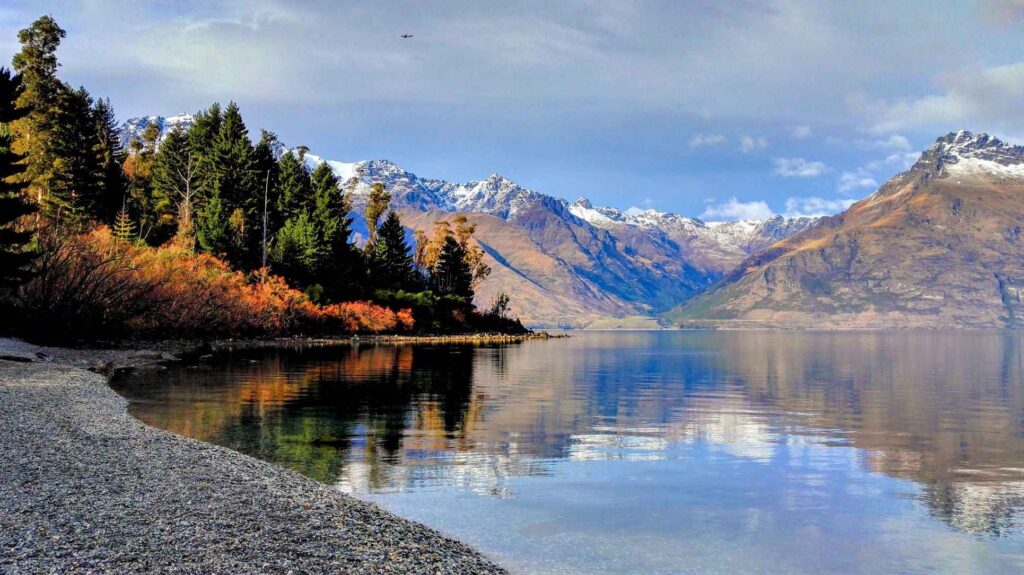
x,y
100,235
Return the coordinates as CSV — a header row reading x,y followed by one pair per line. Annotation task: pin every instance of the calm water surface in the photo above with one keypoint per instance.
x,y
649,452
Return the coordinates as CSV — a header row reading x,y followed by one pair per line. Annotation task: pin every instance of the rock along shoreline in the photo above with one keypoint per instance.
x,y
85,487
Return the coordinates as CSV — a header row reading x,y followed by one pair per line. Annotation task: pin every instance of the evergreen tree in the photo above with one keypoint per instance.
x,y
295,188
235,183
392,263
451,274
212,226
201,136
110,156
15,257
74,194
124,227
32,133
338,266
296,251
268,171
176,182
153,214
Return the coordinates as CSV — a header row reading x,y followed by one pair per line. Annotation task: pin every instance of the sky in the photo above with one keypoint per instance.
x,y
722,110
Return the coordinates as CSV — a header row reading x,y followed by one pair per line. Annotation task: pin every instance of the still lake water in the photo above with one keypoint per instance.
x,y
649,452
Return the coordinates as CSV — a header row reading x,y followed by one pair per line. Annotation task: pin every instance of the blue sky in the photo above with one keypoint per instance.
x,y
721,109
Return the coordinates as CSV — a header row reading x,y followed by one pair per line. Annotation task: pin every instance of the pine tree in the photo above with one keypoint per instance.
x,y
176,181
110,155
268,173
339,266
451,274
295,251
124,227
32,133
392,263
235,182
74,184
295,188
212,226
153,214
15,258
201,137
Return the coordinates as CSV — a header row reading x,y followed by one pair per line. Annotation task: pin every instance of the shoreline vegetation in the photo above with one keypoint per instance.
x,y
94,489
204,231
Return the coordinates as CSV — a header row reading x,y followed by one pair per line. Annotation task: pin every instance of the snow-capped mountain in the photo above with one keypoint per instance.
x,y
567,263
936,246
134,128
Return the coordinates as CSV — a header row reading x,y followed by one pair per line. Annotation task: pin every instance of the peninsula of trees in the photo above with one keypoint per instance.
x,y
201,232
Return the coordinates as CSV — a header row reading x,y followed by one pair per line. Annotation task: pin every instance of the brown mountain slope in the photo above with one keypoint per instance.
x,y
545,290
937,246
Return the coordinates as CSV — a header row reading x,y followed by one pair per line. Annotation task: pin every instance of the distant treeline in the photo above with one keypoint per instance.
x,y
122,233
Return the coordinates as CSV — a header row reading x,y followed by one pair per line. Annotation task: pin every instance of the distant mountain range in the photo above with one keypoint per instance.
x,y
937,246
564,264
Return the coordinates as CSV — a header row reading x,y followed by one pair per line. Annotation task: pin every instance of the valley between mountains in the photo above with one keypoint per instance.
x,y
937,246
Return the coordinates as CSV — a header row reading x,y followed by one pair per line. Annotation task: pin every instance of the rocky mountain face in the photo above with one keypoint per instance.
x,y
564,264
937,246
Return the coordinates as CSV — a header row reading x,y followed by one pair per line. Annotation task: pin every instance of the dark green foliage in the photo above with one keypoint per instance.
x,y
37,64
110,156
15,257
212,221
392,264
339,265
268,172
75,182
295,251
451,274
176,182
294,186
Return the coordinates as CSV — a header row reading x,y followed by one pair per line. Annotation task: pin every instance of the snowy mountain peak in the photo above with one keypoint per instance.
x,y
133,128
583,203
967,154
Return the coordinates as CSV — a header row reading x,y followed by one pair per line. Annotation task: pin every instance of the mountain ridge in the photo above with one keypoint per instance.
x,y
936,246
580,264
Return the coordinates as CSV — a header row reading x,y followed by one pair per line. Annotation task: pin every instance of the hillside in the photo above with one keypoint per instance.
x,y
937,246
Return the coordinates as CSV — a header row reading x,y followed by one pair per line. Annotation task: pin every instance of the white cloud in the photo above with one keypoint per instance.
x,y
901,161
986,98
814,206
799,168
894,142
750,143
733,209
860,178
800,132
700,140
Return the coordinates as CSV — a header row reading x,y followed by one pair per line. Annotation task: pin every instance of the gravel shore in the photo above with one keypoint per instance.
x,y
84,487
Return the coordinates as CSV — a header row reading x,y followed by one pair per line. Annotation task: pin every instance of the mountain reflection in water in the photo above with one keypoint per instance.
x,y
944,411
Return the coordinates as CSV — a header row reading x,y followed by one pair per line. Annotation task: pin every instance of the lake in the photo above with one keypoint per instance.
x,y
648,451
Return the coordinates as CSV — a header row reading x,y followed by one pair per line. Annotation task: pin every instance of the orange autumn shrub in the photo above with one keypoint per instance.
x,y
96,286
365,317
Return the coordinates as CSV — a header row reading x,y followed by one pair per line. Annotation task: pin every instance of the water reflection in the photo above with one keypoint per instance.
x,y
944,411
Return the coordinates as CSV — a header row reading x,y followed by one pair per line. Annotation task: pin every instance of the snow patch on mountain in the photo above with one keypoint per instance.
x,y
964,154
133,129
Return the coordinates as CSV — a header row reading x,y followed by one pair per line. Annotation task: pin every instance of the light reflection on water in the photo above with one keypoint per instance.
x,y
649,451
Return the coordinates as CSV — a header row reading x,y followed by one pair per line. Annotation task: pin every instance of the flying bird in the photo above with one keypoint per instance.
x,y
406,35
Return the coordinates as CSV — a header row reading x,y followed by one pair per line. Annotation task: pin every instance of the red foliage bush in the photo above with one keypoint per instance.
x,y
365,317
94,285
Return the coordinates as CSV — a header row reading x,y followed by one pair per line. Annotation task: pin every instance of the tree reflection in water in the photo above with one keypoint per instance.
x,y
944,410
